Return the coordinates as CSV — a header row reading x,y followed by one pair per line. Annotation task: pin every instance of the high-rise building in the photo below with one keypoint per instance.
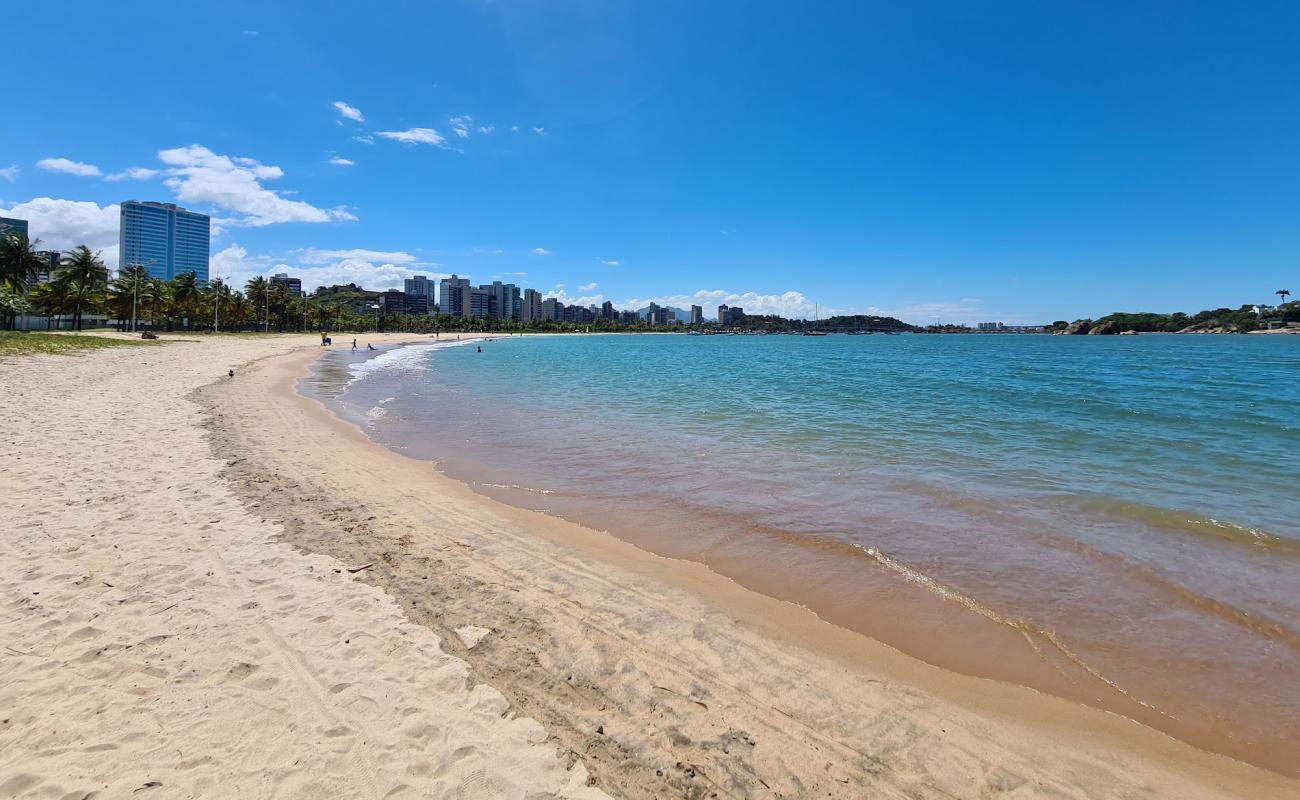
x,y
530,309
419,285
552,310
294,285
607,311
10,225
477,303
503,300
420,297
165,239
650,312
729,314
662,316
697,315
451,296
629,317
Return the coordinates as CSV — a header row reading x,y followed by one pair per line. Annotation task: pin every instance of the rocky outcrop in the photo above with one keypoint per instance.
x,y
1078,327
1211,326
1105,328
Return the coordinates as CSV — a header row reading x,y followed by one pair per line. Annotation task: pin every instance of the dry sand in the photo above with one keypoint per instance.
x,y
178,637
160,640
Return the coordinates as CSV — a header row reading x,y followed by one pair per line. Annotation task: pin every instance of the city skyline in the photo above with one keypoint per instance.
x,y
961,166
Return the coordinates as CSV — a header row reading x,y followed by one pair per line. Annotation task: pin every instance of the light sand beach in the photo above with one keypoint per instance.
x,y
180,620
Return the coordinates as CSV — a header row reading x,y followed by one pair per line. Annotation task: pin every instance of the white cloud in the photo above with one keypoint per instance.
x,y
10,172
132,173
348,111
587,287
787,304
311,255
486,129
540,251
364,138
252,34
69,166
514,127
539,131
197,175
416,136
461,125
339,161
369,269
610,262
64,224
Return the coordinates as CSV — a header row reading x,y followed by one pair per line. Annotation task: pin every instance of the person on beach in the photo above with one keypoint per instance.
x,y
369,346
323,339
354,345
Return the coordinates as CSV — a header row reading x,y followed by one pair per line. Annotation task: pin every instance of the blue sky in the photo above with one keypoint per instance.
x,y
1014,161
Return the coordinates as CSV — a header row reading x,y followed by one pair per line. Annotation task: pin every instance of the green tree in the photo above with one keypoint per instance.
x,y
87,277
258,292
19,265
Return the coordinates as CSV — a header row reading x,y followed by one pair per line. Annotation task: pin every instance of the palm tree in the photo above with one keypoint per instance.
x,y
185,296
53,299
155,294
1282,295
87,273
124,292
19,266
258,292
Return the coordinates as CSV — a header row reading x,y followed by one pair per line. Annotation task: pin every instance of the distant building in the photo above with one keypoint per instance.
x,y
451,296
392,302
650,312
991,327
421,286
503,300
552,310
294,285
697,315
53,258
662,316
165,239
417,304
476,303
629,317
530,309
728,315
12,225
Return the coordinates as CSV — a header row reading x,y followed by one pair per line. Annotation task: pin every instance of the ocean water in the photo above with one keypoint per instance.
x,y
1112,519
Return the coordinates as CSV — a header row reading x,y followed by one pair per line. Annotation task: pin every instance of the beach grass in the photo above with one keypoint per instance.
x,y
14,343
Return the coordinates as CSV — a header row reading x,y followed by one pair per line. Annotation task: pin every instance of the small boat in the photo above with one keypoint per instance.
x,y
817,318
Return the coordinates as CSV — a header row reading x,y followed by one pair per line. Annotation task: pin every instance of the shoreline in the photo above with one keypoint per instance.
x,y
770,622
867,593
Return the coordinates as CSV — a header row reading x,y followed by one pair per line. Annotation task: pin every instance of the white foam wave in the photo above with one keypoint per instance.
x,y
408,358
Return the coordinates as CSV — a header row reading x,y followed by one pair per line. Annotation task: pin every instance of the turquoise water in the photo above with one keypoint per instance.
x,y
1122,509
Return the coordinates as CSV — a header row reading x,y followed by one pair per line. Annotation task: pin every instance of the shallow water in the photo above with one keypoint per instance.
x,y
1112,519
